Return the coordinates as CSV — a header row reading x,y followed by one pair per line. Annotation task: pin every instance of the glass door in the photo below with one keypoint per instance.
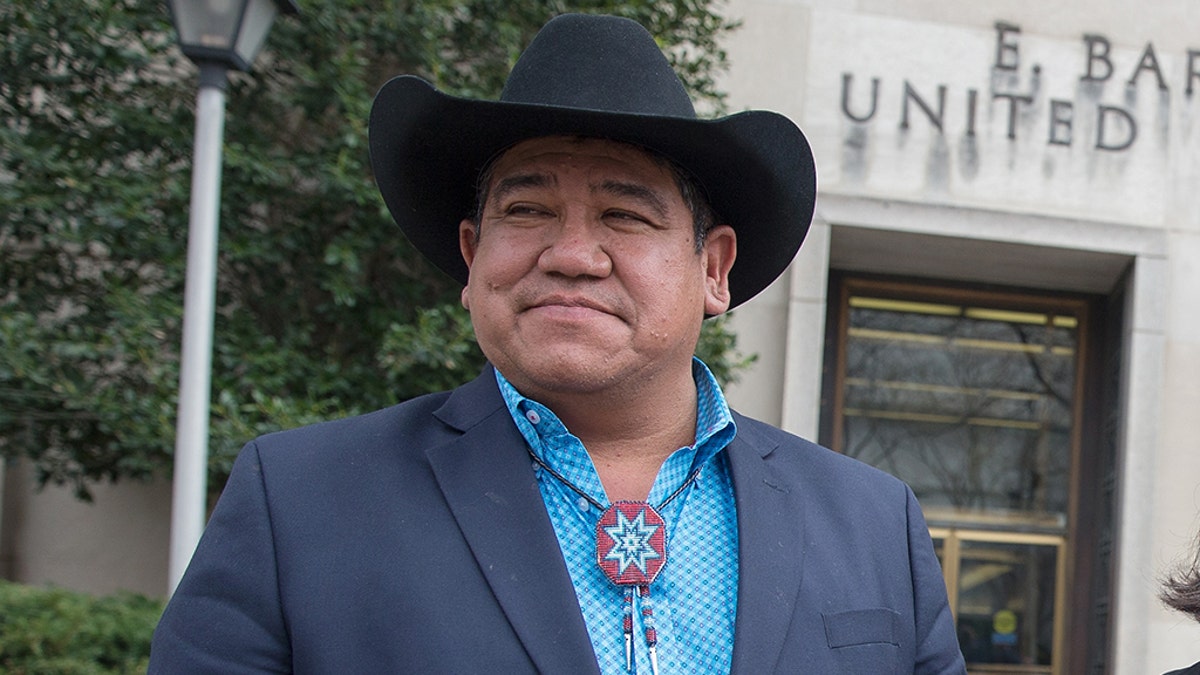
x,y
1006,591
972,397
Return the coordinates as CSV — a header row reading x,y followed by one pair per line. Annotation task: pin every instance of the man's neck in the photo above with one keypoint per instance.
x,y
629,435
628,466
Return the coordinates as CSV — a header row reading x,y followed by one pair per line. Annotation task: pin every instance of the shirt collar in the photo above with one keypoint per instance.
x,y
714,422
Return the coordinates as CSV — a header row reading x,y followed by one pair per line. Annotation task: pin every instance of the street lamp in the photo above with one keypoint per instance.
x,y
217,35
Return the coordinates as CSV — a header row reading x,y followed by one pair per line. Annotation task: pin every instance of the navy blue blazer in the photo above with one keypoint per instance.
x,y
414,540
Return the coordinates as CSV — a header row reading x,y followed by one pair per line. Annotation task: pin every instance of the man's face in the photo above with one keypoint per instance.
x,y
585,275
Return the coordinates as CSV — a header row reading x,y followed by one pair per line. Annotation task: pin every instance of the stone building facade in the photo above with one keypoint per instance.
x,y
998,299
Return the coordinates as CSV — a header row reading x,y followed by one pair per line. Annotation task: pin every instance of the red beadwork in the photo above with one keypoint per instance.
x,y
631,543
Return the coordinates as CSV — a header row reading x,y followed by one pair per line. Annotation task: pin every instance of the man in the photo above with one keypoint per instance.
x,y
589,503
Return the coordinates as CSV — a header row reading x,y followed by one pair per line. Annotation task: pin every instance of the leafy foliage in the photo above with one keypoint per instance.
x,y
54,631
323,309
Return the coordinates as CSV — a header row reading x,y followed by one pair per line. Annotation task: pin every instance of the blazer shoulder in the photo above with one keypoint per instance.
x,y
402,417
413,425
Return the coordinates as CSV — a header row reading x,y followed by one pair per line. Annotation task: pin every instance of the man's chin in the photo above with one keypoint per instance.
x,y
572,370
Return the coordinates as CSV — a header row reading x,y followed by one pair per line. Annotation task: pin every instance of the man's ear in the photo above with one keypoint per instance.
x,y
720,250
467,243
468,239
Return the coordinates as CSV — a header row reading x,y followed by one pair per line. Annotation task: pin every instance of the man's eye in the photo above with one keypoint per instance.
x,y
625,215
525,210
628,219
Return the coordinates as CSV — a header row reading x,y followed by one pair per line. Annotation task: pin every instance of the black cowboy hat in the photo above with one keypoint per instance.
x,y
601,76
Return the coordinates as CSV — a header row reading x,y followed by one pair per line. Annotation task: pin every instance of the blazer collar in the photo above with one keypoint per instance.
x,y
770,515
486,477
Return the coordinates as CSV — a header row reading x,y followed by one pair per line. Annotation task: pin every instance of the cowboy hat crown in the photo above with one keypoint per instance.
x,y
596,76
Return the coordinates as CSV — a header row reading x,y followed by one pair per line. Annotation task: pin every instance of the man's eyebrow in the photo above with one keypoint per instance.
x,y
510,184
648,196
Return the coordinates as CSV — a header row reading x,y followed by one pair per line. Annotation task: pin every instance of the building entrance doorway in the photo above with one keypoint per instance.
x,y
976,398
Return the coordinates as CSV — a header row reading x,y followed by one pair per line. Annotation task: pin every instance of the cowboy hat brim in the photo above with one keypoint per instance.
x,y
428,149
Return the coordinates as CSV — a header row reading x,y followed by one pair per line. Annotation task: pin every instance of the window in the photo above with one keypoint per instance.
x,y
973,397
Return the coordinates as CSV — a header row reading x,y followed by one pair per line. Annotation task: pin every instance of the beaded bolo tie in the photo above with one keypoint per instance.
x,y
631,549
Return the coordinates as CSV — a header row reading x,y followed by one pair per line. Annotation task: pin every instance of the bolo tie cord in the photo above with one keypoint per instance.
x,y
640,586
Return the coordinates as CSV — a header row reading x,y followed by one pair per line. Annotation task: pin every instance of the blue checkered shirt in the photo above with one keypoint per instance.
x,y
694,597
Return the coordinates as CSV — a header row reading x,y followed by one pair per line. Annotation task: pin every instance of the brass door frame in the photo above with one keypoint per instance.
x,y
1070,540
952,539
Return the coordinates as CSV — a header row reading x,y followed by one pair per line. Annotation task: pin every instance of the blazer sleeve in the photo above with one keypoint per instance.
x,y
937,650
226,616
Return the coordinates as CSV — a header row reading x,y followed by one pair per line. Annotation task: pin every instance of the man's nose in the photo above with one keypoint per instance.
x,y
576,248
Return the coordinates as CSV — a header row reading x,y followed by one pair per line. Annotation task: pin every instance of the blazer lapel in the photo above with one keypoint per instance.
x,y
770,517
487,480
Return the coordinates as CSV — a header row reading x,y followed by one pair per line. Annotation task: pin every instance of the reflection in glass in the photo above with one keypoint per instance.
x,y
1005,603
972,406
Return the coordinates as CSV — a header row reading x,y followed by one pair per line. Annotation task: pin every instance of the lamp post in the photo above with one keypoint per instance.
x,y
217,35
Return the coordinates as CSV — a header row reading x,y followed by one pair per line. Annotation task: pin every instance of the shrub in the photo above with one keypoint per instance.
x,y
46,631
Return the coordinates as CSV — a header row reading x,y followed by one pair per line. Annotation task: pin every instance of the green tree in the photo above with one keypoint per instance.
x,y
323,308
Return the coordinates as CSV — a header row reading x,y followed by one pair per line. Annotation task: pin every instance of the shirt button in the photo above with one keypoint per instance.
x,y
533,417
583,504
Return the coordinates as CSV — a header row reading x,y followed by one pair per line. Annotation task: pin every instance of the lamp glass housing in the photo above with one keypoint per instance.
x,y
228,32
